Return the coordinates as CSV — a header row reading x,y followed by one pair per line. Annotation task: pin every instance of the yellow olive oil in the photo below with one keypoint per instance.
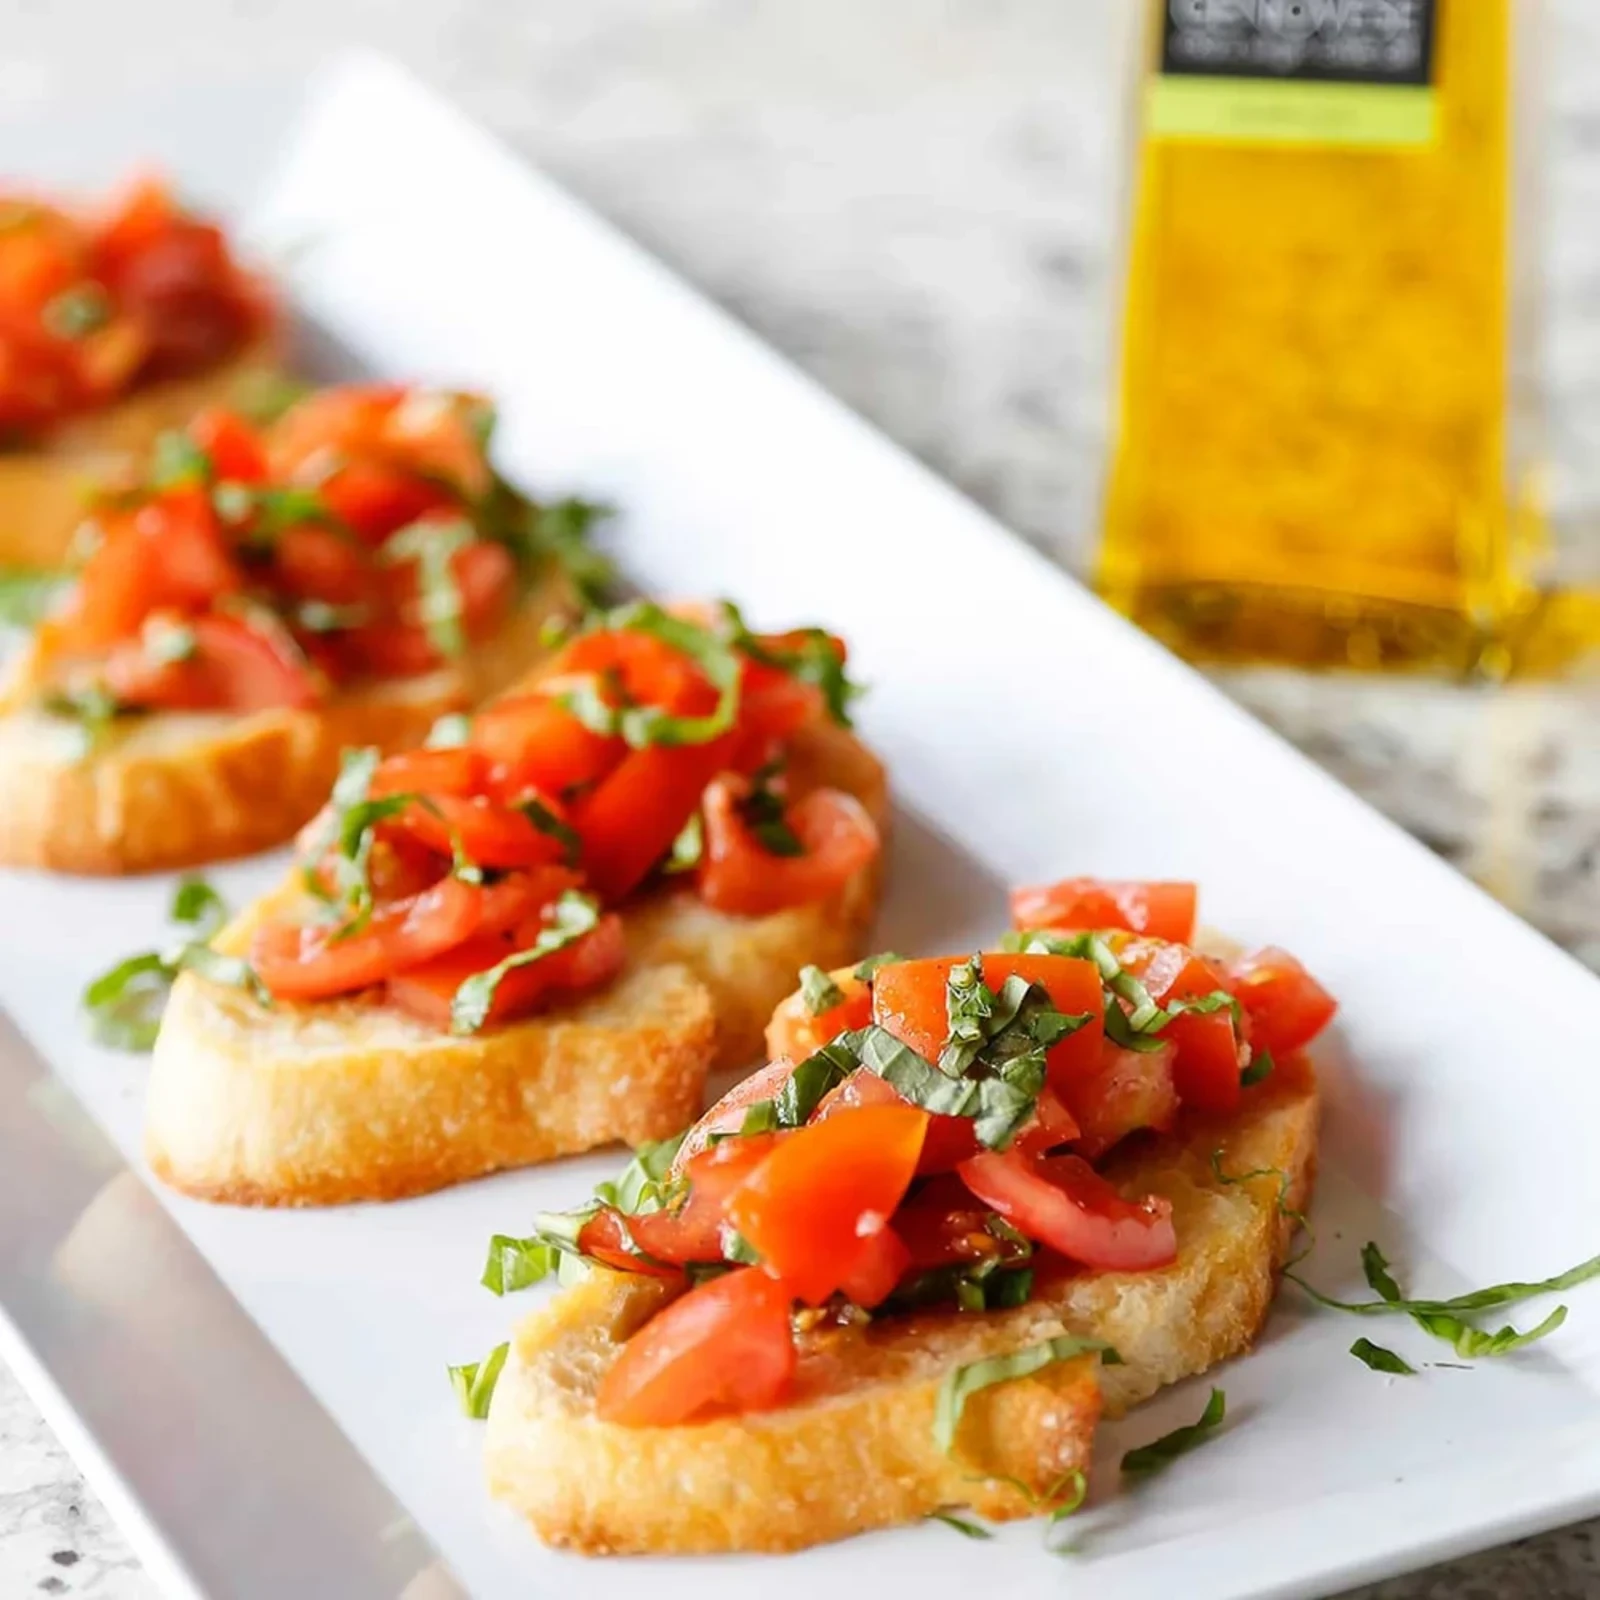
x,y
1313,457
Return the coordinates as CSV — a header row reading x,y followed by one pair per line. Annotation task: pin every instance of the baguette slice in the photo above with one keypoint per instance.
x,y
855,1450
350,1100
42,488
177,789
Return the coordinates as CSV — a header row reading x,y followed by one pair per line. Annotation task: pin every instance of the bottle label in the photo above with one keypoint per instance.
x,y
1345,72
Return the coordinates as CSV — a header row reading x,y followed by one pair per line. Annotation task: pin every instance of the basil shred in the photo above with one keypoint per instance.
x,y
1151,1458
124,1005
818,992
474,1382
961,1383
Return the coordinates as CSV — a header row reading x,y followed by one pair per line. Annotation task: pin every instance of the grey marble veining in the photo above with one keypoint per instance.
x,y
914,199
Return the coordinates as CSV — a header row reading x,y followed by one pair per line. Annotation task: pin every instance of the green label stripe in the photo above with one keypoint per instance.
x,y
1261,111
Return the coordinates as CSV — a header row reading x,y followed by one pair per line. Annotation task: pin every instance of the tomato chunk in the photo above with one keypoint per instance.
x,y
629,821
1063,1202
232,665
1166,910
805,1209
724,1346
1207,1064
949,1140
875,1267
693,1232
838,838
728,1114
1287,1007
607,1238
909,1000
794,1032
1129,1090
232,445
532,741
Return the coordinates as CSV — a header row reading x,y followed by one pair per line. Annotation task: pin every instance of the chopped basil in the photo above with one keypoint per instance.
x,y
573,915
735,1247
263,397
91,706
809,655
124,1005
1380,1359
765,815
176,459
811,1079
914,1077
1284,1182
77,312
27,597
474,1383
970,1530
547,822
641,726
561,530
449,732
517,1263
166,642
643,1184
688,847
759,1117
1445,1319
1467,1341
1261,1065
867,970
1159,1453
961,1383
818,992
434,545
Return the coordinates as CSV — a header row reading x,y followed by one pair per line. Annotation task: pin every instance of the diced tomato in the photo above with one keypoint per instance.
x,y
234,666
1063,1202
1166,910
375,501
795,1033
629,820
1287,1007
727,1115
1130,1090
724,1346
1207,1065
489,834
876,1265
693,1232
942,1225
456,770
909,1000
647,670
426,990
1052,1124
773,706
949,1140
607,1238
805,1208
310,562
232,445
534,742
740,876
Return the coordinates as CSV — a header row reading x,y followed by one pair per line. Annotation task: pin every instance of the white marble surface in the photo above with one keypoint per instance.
x,y
912,198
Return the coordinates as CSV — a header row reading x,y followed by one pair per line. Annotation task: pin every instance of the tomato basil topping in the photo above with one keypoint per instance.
x,y
928,1135
361,535
92,307
473,881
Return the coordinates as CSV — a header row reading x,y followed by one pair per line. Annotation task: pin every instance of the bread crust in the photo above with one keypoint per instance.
x,y
42,489
350,1100
854,1450
180,789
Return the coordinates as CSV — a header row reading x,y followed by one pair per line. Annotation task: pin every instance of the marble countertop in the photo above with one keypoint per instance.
x,y
913,202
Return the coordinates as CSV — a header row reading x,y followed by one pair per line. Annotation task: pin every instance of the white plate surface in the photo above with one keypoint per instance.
x,y
1029,733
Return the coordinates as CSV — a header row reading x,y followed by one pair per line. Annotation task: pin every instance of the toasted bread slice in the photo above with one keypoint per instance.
x,y
42,489
855,1450
749,963
350,1100
179,789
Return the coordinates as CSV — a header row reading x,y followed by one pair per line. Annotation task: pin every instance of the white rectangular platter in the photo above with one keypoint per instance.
x,y
1029,733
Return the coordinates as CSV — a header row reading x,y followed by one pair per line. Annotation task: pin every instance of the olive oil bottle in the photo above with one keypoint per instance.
x,y
1315,459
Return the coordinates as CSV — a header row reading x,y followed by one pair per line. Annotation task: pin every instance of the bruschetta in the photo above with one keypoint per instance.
x,y
257,602
539,939
116,327
972,1204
